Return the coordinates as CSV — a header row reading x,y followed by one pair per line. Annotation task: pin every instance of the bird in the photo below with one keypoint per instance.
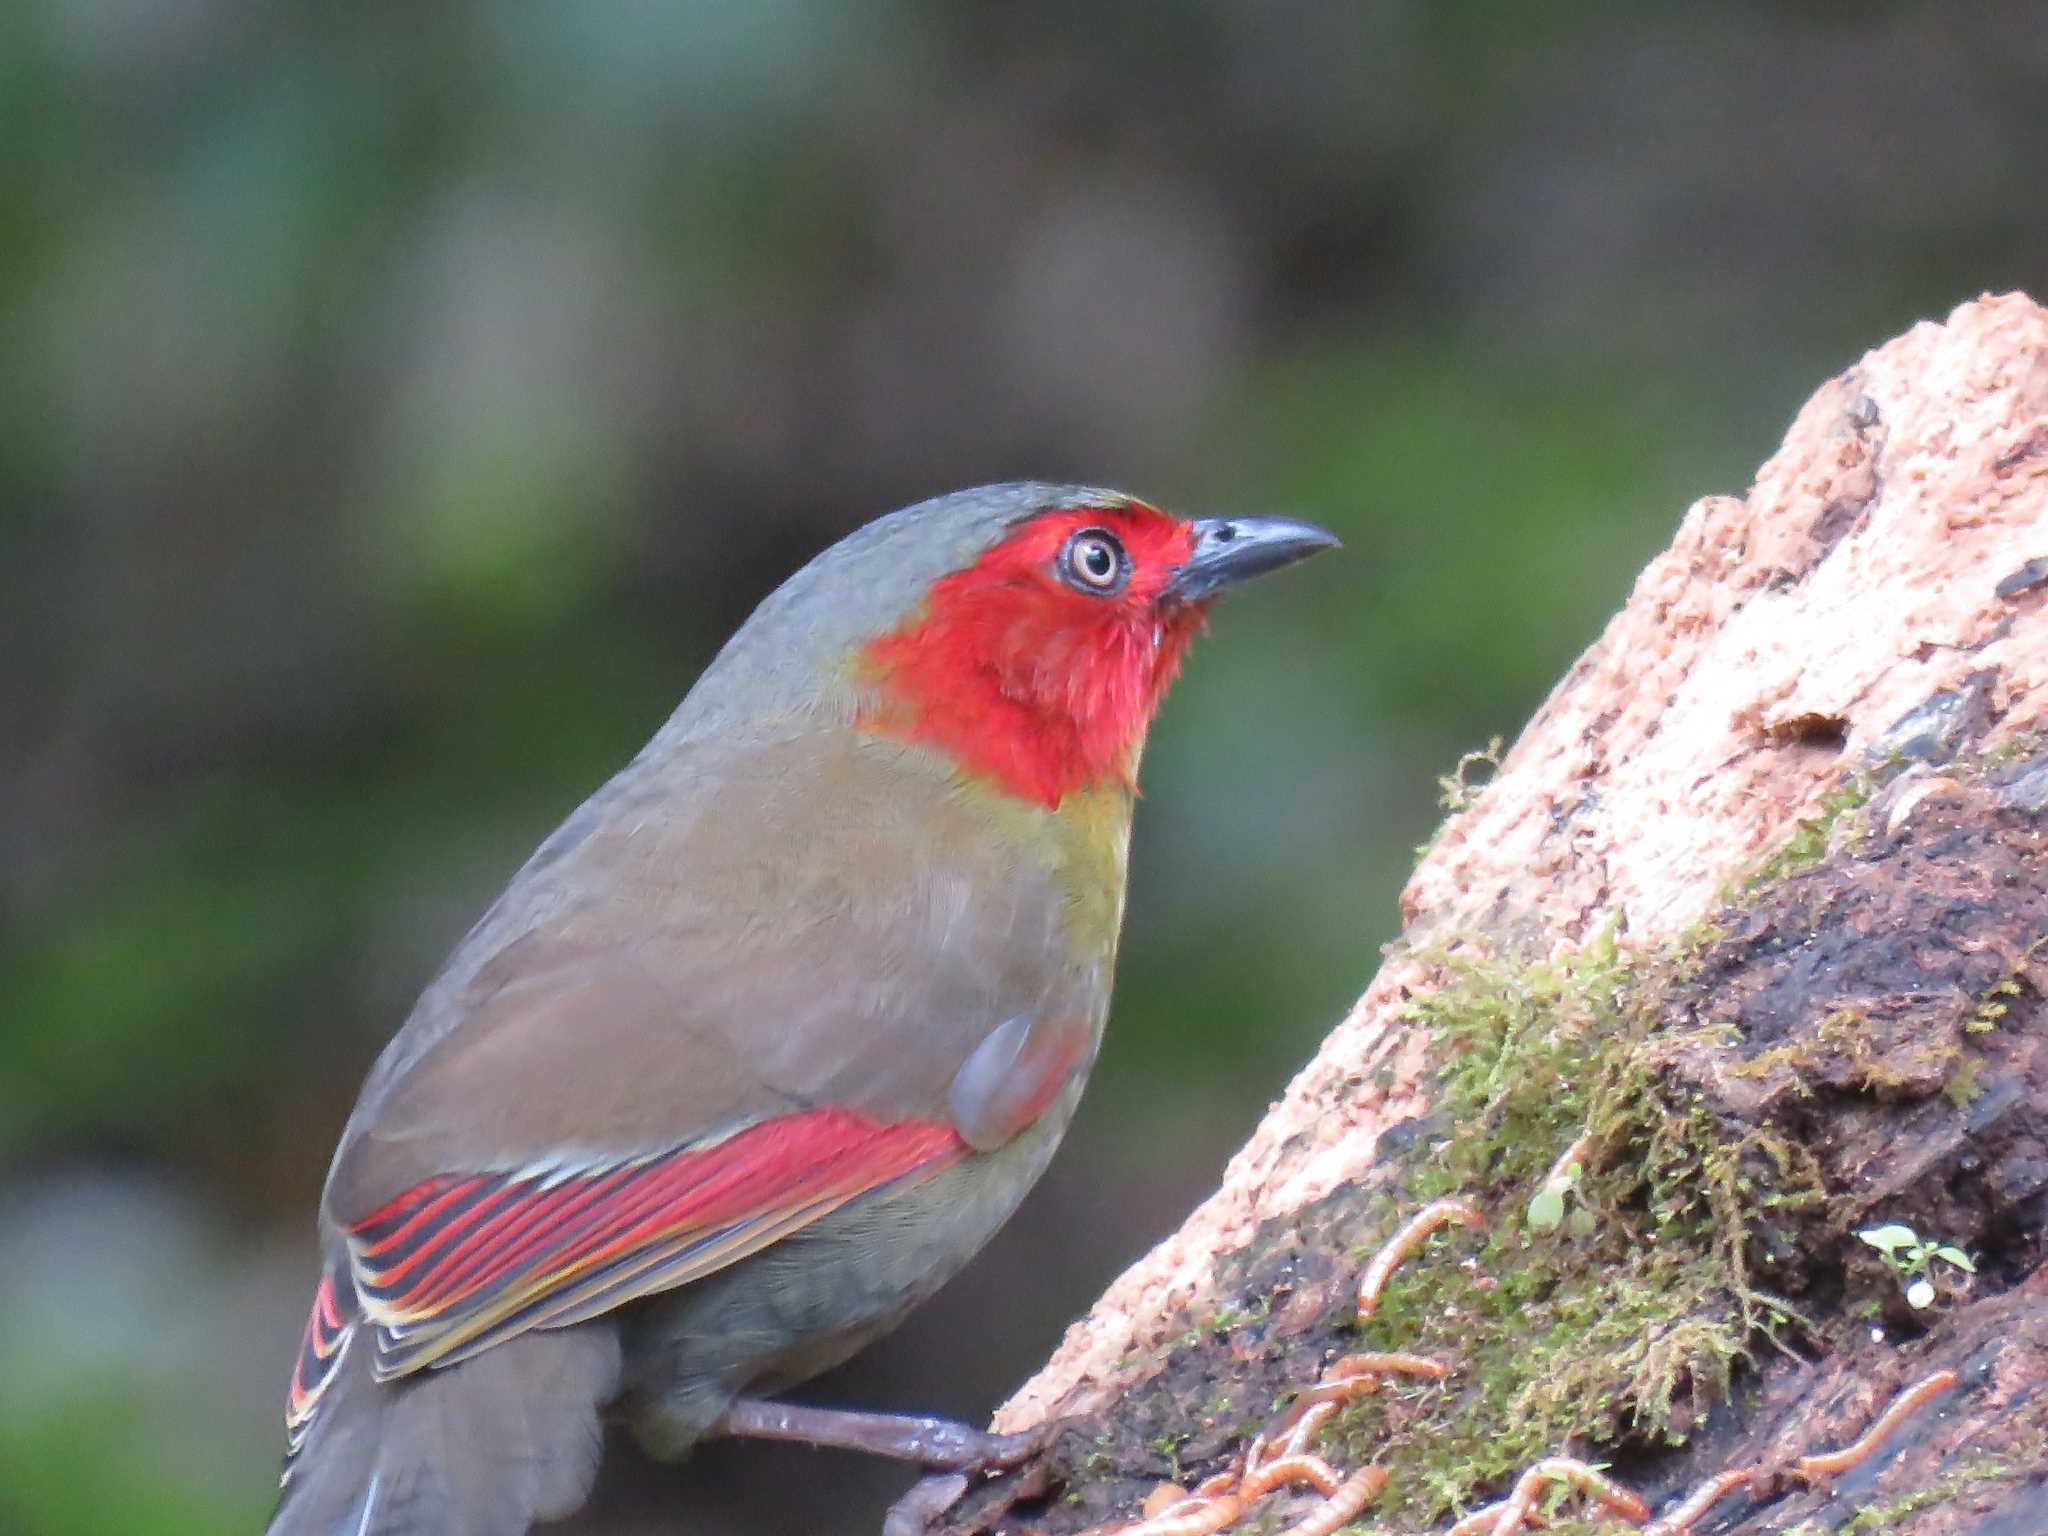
x,y
769,1037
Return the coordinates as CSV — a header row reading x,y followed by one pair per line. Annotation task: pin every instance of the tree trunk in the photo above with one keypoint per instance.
x,y
1752,919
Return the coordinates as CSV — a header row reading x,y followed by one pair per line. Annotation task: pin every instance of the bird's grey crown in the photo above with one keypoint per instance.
x,y
866,584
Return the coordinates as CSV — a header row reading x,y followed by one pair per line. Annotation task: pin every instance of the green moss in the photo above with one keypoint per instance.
x,y
1962,1086
1847,1036
1457,790
1628,1307
2016,747
1873,1518
1997,999
1237,1314
1623,1327
1814,835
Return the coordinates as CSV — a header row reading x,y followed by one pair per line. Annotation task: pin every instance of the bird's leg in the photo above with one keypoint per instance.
x,y
943,1445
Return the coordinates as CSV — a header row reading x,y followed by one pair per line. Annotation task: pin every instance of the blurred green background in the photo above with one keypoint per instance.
x,y
401,402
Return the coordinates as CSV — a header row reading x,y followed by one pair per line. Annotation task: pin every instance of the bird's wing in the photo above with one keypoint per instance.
x,y
461,1260
686,1037
584,1136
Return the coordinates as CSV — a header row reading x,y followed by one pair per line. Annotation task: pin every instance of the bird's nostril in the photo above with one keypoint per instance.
x,y
1225,532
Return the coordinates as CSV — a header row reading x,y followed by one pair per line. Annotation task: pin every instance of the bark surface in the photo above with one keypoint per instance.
x,y
1799,789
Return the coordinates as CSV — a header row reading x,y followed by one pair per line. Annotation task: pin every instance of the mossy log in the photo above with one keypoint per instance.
x,y
1741,952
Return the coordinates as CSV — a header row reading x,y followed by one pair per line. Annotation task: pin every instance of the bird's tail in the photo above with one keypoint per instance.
x,y
482,1448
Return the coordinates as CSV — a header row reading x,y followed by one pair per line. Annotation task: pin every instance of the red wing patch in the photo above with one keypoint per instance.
x,y
460,1261
326,1341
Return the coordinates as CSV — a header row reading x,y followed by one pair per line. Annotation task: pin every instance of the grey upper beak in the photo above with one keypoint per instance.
x,y
1231,549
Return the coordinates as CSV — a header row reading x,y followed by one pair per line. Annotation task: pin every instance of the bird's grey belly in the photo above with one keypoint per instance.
x,y
811,1300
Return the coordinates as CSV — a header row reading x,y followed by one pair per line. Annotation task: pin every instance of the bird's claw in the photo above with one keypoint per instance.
x,y
966,1457
929,1498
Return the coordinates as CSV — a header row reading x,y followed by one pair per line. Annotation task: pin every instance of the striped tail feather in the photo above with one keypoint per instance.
x,y
485,1447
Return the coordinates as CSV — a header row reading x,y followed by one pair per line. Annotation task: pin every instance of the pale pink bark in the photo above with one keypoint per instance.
x,y
1881,560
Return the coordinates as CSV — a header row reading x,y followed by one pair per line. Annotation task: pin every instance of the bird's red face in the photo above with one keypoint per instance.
x,y
1041,665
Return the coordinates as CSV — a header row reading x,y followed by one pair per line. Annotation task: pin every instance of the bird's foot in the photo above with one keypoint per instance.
x,y
942,1445
929,1498
953,1452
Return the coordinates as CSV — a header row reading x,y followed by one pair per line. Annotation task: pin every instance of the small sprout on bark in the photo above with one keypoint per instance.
x,y
1547,1206
1914,1258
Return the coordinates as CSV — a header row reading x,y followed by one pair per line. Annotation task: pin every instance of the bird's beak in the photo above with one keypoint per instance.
x,y
1231,549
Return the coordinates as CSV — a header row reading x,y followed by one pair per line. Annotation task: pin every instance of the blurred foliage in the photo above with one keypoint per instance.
x,y
403,402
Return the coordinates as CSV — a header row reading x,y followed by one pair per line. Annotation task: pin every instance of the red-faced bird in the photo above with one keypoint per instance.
x,y
769,1037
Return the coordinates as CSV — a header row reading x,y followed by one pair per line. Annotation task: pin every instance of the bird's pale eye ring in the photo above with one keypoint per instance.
x,y
1094,561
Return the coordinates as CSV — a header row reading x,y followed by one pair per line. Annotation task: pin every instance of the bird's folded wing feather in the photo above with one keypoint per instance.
x,y
460,1261
627,1079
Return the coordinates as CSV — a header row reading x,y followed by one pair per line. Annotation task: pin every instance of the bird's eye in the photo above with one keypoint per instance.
x,y
1095,562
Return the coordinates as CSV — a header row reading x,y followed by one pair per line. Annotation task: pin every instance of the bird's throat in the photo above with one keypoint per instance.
x,y
1035,702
